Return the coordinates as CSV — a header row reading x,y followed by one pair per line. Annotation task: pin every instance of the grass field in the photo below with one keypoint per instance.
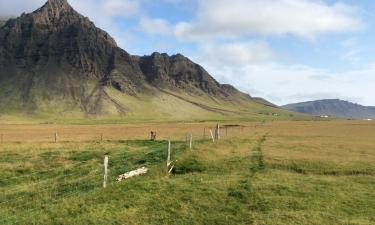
x,y
259,173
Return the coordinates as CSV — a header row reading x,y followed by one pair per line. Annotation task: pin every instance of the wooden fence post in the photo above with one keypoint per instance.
x,y
169,154
212,136
101,137
191,141
170,165
204,133
105,171
153,135
56,137
217,132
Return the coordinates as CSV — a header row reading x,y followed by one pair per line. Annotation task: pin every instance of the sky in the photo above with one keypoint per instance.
x,y
283,50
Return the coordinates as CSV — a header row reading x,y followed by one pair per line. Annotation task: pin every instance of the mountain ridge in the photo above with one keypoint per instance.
x,y
333,107
54,61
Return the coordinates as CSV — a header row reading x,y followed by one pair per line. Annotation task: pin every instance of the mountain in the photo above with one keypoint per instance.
x,y
54,62
335,108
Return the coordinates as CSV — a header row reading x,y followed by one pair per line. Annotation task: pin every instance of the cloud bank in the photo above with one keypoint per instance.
x,y
235,18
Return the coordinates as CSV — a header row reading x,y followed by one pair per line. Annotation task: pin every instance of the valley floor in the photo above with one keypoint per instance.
x,y
258,173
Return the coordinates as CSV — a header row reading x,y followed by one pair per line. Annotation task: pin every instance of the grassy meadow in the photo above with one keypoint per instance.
x,y
281,172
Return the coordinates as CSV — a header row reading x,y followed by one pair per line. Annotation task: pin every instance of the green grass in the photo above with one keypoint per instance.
x,y
157,106
235,181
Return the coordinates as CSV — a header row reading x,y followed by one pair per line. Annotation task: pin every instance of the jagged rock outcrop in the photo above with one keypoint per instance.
x,y
55,55
179,72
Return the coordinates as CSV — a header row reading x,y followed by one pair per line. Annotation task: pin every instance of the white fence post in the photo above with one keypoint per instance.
x,y
191,141
217,132
212,136
105,171
169,154
170,165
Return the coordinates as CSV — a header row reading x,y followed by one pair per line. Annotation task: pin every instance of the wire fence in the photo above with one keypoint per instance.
x,y
100,133
25,194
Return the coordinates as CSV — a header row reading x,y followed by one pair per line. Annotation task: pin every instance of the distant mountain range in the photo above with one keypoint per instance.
x,y
333,108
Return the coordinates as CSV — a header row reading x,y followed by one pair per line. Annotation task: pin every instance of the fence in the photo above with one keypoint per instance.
x,y
82,133
29,193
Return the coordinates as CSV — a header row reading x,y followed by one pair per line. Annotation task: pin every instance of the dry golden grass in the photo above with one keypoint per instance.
x,y
335,141
79,133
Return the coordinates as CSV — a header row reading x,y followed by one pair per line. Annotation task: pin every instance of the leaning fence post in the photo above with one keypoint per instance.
x,y
191,141
105,171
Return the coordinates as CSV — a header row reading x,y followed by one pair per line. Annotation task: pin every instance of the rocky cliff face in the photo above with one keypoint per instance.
x,y
178,72
55,54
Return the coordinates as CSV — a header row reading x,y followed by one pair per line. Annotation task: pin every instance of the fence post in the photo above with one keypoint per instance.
x,y
2,138
204,133
153,135
56,137
101,137
170,165
191,141
212,136
217,132
169,154
105,171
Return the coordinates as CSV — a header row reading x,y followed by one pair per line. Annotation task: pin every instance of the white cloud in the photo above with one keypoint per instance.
x,y
353,50
223,31
235,53
235,18
95,9
106,9
155,26
282,84
13,8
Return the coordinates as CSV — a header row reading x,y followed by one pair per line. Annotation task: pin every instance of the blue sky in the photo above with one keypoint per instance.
x,y
283,50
